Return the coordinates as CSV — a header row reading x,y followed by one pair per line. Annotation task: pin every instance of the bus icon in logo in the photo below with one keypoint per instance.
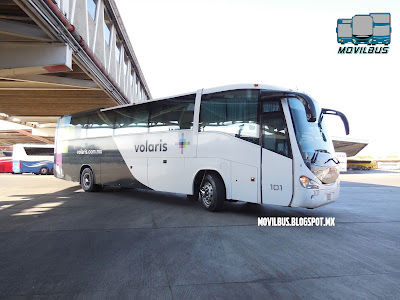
x,y
182,143
369,29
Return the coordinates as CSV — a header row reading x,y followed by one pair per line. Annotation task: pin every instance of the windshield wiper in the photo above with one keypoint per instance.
x,y
321,116
315,155
333,159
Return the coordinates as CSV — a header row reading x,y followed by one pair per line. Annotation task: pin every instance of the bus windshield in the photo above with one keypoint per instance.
x,y
311,137
362,26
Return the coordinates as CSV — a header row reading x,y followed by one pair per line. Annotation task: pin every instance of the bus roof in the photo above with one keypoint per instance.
x,y
214,90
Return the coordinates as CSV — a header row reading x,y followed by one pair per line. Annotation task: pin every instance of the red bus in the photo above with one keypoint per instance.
x,y
6,159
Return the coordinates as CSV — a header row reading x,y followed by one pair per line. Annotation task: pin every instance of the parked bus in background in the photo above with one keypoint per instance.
x,y
362,29
33,158
6,164
342,157
253,143
344,31
381,29
5,159
361,164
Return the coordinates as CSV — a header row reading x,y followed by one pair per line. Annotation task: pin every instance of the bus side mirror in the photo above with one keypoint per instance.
x,y
327,111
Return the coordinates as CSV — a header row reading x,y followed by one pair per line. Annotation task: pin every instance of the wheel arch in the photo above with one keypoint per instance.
x,y
83,167
198,178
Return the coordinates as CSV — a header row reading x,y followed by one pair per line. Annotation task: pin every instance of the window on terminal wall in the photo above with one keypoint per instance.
x,y
92,7
107,27
132,78
137,87
125,65
118,46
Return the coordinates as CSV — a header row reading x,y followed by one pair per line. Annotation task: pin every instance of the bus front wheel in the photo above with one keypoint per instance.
x,y
212,192
87,181
43,171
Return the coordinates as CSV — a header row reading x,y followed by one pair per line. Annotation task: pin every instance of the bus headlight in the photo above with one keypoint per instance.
x,y
308,183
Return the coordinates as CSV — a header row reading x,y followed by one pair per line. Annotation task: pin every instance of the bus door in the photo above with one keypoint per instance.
x,y
276,155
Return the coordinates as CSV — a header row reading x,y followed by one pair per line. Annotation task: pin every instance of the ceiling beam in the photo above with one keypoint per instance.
x,y
16,18
5,142
23,30
61,81
34,136
12,120
38,58
21,102
56,94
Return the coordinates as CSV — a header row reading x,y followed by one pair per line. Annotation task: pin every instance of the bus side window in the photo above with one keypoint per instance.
x,y
77,127
231,112
172,114
274,130
98,125
39,151
132,119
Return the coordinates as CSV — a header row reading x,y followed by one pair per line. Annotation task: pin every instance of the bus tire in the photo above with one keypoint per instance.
x,y
87,180
44,171
212,192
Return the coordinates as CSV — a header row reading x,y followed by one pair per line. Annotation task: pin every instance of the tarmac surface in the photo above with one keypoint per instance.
x,y
57,241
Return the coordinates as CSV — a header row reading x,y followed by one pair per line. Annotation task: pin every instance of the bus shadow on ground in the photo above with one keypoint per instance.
x,y
35,204
171,203
71,208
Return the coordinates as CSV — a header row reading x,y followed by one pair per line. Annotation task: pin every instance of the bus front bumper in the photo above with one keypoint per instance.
x,y
313,198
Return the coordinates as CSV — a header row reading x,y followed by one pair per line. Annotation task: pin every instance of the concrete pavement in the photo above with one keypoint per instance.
x,y
58,242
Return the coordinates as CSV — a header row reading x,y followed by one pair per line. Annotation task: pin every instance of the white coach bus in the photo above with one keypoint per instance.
x,y
33,158
252,143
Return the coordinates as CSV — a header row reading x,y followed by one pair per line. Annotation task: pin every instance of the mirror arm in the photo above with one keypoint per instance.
x,y
327,111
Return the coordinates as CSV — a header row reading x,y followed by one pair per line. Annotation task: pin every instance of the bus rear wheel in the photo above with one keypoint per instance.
x,y
44,171
212,192
87,181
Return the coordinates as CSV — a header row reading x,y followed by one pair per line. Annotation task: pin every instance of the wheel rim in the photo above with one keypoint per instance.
x,y
207,194
43,171
86,180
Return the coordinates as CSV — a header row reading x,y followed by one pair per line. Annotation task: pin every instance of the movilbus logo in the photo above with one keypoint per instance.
x,y
372,29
